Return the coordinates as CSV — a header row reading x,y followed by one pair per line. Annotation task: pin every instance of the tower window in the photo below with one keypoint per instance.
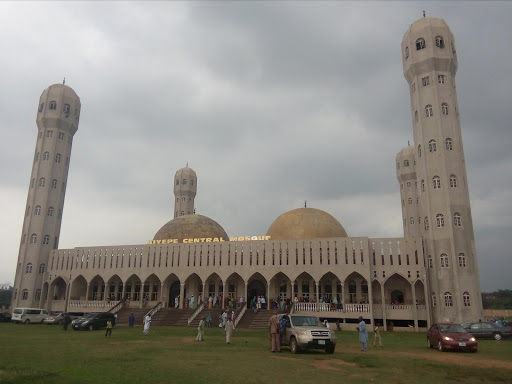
x,y
419,150
54,184
398,165
24,294
429,111
440,79
434,301
191,181
448,299
437,182
406,163
439,42
425,81
429,262
28,268
33,239
409,201
416,116
37,210
414,86
440,220
46,239
408,183
58,156
449,144
184,181
462,260
46,156
177,182
444,260
444,108
42,182
432,146
457,220
453,181
426,223
422,185
53,104
38,294
465,298
41,107
50,211
42,268
61,135
411,220
420,44
49,133
66,108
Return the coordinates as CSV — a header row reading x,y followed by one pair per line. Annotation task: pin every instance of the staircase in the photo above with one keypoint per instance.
x,y
172,316
124,313
258,320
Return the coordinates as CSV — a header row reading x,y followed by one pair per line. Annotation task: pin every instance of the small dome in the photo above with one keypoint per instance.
x,y
305,223
406,152
191,227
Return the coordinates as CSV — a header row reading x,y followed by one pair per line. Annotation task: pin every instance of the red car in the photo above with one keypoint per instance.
x,y
446,337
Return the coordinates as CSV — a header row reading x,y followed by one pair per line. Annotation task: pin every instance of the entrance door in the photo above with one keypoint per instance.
x,y
254,289
174,292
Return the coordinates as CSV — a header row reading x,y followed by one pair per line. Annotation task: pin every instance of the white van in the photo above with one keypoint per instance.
x,y
29,315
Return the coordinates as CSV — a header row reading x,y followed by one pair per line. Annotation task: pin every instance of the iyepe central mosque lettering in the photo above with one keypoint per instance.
x,y
208,240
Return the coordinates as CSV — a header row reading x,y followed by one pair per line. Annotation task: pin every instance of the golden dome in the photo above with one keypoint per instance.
x,y
305,223
191,227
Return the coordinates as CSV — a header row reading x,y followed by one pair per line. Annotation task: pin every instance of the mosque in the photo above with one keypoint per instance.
x,y
428,275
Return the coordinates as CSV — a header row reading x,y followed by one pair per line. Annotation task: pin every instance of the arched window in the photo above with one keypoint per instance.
x,y
28,268
42,182
448,299
411,220
465,298
54,184
46,156
50,211
416,116
444,109
58,156
42,268
66,108
434,301
46,239
419,150
406,52
409,200
420,43
422,185
428,110
38,294
439,42
437,182
426,223
406,163
24,294
449,144
398,165
440,220
41,107
177,182
37,210
33,238
444,260
453,181
456,219
184,181
53,104
462,260
432,146
191,181
429,262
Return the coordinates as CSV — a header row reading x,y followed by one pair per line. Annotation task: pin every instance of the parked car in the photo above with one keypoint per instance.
x,y
446,337
5,317
29,315
308,332
58,317
92,321
488,330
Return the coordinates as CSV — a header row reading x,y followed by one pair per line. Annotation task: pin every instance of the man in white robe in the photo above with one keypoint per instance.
x,y
147,323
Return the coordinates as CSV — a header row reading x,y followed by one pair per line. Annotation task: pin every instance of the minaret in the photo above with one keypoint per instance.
x,y
185,188
57,121
406,173
430,64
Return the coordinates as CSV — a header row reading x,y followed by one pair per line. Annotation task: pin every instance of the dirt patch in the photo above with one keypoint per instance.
x,y
456,358
332,365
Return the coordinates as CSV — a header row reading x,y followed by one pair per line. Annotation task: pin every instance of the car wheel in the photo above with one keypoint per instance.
x,y
330,349
294,347
497,336
429,344
440,346
91,327
27,321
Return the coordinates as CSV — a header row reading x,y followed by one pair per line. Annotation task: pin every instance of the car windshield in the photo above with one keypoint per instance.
x,y
309,321
18,311
452,328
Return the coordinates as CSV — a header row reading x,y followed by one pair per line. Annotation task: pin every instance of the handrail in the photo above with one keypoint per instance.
x,y
196,312
155,309
116,308
240,315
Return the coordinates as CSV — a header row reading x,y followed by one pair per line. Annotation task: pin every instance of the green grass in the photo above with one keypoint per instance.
x,y
47,354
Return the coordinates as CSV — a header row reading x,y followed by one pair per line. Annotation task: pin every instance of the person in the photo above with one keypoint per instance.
x,y
147,323
273,330
282,328
229,328
131,320
215,300
200,330
108,332
338,327
144,302
210,302
263,303
377,335
363,334
209,320
326,324
176,301
191,305
241,301
67,320
224,318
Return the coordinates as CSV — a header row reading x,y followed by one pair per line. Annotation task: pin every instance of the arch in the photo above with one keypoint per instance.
x,y
235,286
419,292
453,181
305,287
439,42
193,285
151,289
420,44
257,286
78,289
432,146
53,104
96,288
133,286
28,268
172,287
114,288
58,289
398,289
214,287
354,292
466,299
429,111
327,285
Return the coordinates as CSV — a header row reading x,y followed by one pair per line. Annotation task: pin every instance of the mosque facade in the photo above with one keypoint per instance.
x,y
428,275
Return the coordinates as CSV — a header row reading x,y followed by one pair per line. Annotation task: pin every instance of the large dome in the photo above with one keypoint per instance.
x,y
191,227
305,223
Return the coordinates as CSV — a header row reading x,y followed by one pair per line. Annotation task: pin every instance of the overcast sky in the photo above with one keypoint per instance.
x,y
271,103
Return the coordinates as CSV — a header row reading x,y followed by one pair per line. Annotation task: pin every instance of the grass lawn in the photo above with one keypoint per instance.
x,y
47,354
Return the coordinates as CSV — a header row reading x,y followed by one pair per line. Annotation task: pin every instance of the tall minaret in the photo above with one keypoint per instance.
x,y
430,64
57,121
185,188
406,173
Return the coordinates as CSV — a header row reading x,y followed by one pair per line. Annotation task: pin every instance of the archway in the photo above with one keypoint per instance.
x,y
174,293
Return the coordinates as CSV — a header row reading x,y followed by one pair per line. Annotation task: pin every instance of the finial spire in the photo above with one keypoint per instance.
x,y
408,143
187,164
423,13
305,203
64,81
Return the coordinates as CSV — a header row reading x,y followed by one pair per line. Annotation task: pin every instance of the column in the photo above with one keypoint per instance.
x,y
182,293
68,289
246,293
223,294
292,299
384,310
204,291
86,295
162,297
415,308
268,297
317,296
